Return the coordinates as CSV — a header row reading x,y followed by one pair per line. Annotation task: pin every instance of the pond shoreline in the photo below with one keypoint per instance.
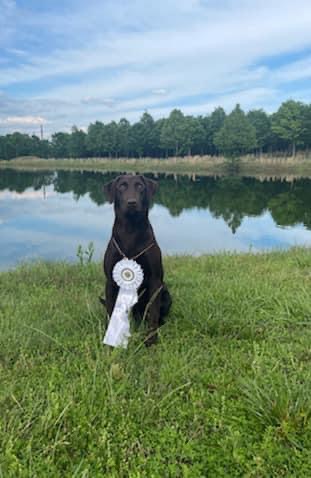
x,y
205,166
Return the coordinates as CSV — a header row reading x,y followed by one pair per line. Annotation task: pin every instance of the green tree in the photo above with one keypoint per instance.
x,y
288,123
7,151
306,137
237,136
95,141
111,139
18,144
44,148
123,137
61,145
172,133
148,134
214,123
262,124
193,134
77,145
136,139
159,151
144,137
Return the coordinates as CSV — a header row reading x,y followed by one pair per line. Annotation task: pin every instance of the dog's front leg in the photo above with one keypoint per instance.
x,y
111,296
153,312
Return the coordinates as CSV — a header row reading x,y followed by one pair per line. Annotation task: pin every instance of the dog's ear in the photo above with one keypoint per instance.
x,y
151,186
110,190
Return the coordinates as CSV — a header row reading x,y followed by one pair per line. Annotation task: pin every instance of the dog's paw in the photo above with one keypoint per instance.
x,y
152,339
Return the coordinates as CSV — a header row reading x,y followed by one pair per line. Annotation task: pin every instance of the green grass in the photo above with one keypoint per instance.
x,y
225,393
205,165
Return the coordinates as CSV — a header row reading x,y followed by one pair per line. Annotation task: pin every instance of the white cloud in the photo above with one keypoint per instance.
x,y
120,58
92,100
159,91
22,121
17,52
227,40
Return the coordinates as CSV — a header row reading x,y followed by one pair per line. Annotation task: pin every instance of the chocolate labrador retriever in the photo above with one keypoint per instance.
x,y
133,237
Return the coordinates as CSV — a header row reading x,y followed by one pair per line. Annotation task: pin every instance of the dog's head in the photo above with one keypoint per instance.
x,y
131,194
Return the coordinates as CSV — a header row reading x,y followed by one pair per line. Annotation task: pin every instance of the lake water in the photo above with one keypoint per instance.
x,y
47,215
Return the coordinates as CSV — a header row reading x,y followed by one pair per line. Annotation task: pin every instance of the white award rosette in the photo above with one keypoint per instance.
x,y
129,276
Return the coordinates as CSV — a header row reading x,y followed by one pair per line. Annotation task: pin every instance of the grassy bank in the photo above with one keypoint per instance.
x,y
225,393
249,165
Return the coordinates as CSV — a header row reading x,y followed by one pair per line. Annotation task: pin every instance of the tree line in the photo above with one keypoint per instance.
x,y
283,132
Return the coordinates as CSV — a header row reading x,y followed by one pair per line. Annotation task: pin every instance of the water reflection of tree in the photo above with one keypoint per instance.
x,y
83,182
293,205
233,198
19,181
229,198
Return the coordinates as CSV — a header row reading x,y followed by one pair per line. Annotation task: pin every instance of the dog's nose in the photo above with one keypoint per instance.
x,y
131,202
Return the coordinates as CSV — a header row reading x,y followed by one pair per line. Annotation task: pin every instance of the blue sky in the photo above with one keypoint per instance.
x,y
71,62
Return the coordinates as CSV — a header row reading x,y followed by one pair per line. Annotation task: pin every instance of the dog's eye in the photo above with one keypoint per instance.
x,y
139,186
123,186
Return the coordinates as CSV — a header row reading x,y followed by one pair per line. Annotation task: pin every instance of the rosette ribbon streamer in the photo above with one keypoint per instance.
x,y
128,275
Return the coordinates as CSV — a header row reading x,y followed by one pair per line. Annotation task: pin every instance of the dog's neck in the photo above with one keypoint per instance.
x,y
132,230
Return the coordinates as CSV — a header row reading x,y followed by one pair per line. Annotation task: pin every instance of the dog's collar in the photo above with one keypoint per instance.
x,y
137,255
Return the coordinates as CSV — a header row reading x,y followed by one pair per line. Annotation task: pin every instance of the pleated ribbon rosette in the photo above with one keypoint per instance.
x,y
129,276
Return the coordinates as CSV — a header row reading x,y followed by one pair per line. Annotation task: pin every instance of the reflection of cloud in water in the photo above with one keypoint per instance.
x,y
28,194
27,244
52,230
262,232
196,231
193,231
